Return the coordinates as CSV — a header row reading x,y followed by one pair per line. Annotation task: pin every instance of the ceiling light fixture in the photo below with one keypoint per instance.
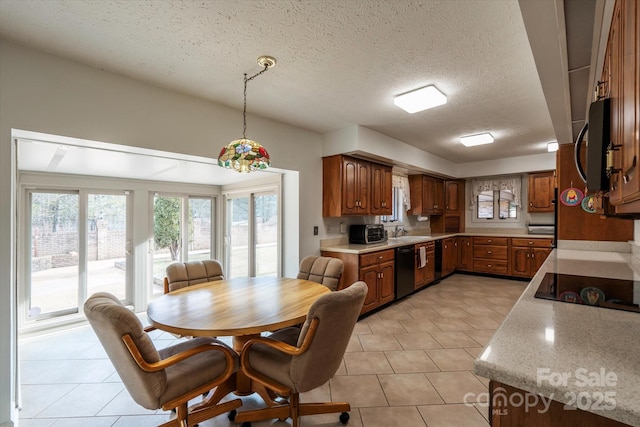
x,y
552,146
480,139
420,99
246,155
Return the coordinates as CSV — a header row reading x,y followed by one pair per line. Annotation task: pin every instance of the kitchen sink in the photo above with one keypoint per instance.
x,y
407,239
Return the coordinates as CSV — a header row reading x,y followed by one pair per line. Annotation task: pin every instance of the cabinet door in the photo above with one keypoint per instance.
x,y
386,282
520,262
614,86
369,275
363,187
465,254
541,187
420,273
350,186
449,256
451,189
438,196
630,100
538,257
381,191
430,269
432,195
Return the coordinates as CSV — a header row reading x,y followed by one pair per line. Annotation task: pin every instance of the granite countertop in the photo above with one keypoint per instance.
x,y
394,242
597,350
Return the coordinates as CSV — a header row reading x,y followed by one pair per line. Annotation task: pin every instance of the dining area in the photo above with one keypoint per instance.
x,y
288,336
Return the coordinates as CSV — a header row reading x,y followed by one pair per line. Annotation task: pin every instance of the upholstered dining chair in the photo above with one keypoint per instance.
x,y
167,378
292,360
320,269
181,274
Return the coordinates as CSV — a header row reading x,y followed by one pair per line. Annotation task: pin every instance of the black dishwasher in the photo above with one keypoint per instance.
x,y
405,269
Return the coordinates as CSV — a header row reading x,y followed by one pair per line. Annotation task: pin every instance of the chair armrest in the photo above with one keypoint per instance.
x,y
280,346
176,358
166,285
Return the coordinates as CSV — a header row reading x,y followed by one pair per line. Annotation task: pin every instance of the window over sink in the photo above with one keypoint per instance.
x,y
496,200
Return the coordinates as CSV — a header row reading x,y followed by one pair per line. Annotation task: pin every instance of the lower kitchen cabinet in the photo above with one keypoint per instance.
x,y
527,255
491,255
427,273
465,253
449,255
376,269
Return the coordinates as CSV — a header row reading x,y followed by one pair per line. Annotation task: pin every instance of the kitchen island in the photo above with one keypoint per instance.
x,y
549,353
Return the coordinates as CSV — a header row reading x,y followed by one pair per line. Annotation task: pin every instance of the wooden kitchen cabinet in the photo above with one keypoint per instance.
x,y
541,191
527,255
453,219
620,74
353,186
426,274
465,253
381,190
427,195
449,255
452,191
491,255
376,269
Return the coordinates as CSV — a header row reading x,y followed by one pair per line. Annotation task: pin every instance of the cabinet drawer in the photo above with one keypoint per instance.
x,y
497,241
490,266
533,243
376,257
490,251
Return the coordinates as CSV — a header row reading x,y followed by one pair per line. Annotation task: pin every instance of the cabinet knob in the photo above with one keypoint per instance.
x,y
490,241
531,243
489,265
489,252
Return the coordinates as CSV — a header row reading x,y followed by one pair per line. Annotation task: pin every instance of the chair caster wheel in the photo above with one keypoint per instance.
x,y
232,415
344,417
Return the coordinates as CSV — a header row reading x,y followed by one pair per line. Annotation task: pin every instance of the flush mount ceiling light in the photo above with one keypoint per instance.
x,y
480,139
552,146
246,155
420,99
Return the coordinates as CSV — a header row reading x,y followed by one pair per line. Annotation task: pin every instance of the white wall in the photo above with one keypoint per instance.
x,y
44,93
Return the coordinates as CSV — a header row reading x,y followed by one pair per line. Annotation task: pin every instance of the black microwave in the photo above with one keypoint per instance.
x,y
365,234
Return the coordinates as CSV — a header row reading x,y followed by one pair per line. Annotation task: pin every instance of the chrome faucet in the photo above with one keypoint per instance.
x,y
399,229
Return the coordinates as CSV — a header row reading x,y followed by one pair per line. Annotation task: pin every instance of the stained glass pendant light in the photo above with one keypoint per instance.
x,y
246,155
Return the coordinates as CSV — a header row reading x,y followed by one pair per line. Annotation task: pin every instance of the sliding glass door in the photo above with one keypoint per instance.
x,y
54,249
252,234
182,231
78,245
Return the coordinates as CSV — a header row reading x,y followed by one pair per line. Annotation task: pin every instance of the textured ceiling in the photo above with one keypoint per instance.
x,y
339,62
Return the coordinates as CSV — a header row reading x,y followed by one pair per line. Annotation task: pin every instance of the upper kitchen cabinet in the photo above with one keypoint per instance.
x,y
621,79
541,186
381,191
427,195
353,186
452,200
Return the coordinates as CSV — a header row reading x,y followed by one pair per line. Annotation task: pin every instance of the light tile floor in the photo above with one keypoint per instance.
x,y
409,364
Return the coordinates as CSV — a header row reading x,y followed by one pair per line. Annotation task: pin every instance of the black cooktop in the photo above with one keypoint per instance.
x,y
601,292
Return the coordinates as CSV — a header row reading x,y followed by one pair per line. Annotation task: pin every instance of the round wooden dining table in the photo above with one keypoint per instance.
x,y
241,307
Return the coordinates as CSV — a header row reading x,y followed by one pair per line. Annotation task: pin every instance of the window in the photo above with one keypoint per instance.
x,y
400,200
496,199
397,205
496,204
181,232
78,244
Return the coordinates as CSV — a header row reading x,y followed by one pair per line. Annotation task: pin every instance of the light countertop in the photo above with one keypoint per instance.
x,y
394,242
597,350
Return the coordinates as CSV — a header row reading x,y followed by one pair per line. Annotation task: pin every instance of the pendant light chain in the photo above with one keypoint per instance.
x,y
244,111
